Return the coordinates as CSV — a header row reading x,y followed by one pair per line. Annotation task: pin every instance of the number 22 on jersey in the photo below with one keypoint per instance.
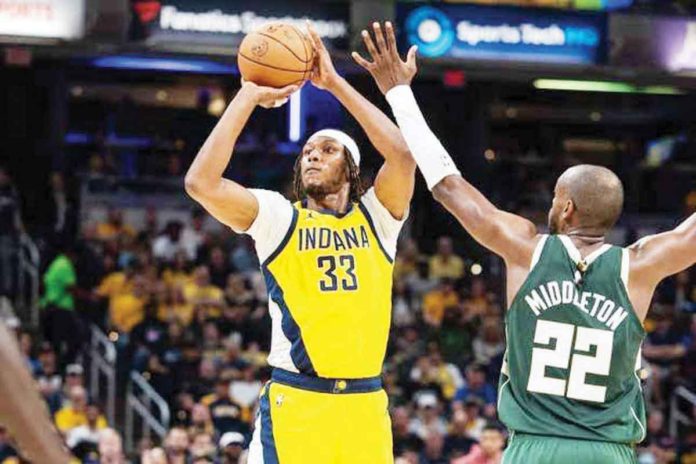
x,y
572,352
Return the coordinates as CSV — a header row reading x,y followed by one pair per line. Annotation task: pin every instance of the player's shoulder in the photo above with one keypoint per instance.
x,y
271,198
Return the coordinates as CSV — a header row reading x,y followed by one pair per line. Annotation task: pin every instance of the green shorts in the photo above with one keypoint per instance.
x,y
538,449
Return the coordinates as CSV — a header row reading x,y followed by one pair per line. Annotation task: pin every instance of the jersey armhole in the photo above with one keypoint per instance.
x,y
537,252
285,240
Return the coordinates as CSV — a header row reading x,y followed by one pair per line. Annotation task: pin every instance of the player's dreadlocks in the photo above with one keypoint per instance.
x,y
356,187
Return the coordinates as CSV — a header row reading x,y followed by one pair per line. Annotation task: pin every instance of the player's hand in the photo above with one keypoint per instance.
x,y
386,67
268,97
324,74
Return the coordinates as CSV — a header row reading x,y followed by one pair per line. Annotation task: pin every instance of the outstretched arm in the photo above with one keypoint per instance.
x,y
22,410
227,201
510,236
395,180
656,257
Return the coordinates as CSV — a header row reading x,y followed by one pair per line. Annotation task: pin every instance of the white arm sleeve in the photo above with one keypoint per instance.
x,y
272,222
386,226
433,160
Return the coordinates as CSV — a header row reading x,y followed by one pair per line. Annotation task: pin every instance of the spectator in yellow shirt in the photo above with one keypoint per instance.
x,y
128,309
445,264
75,415
201,293
113,227
436,301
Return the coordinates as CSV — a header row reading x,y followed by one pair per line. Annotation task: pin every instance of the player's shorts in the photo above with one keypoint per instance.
x,y
312,420
537,449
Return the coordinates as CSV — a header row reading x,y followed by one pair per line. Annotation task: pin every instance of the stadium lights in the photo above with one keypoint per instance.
x,y
604,86
295,126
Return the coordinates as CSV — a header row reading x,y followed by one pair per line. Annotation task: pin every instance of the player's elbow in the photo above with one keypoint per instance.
x,y
193,185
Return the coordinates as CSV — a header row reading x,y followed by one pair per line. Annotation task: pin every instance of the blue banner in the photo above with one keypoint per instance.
x,y
503,33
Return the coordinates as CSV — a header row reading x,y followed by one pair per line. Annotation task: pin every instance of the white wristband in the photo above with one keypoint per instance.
x,y
433,160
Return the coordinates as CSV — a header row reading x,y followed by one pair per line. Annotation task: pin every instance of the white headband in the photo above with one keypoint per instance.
x,y
342,138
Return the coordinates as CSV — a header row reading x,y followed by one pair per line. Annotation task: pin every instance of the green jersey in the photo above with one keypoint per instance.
x,y
573,348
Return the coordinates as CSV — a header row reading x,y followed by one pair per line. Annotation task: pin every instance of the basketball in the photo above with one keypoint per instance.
x,y
276,55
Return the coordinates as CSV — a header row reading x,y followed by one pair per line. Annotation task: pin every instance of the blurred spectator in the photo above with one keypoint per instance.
x,y
176,445
445,264
458,441
476,303
402,311
436,301
48,379
202,294
154,456
433,450
406,262
246,390
490,341
231,445
219,269
74,377
61,325
110,447
113,227
149,336
472,407
10,226
488,451
127,309
193,235
477,386
201,422
63,215
454,336
26,346
168,243
226,414
404,438
202,446
243,256
75,415
428,419
84,439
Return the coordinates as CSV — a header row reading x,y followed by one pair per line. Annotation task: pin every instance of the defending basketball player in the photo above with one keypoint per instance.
x,y
568,389
327,261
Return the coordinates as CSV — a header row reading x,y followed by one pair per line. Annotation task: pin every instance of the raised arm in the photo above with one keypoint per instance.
x,y
656,257
395,180
22,410
229,202
510,236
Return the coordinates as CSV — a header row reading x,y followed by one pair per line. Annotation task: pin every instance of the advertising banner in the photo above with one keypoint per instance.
x,y
564,4
225,23
49,19
653,42
503,33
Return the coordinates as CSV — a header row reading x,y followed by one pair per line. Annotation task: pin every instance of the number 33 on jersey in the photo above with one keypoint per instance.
x,y
572,348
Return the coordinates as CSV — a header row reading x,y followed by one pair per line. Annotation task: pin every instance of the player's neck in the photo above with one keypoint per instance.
x,y
586,240
337,202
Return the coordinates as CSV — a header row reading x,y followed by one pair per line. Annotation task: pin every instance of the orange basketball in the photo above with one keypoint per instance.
x,y
276,55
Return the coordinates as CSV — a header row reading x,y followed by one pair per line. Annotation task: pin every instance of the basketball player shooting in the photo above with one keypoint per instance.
x,y
22,410
568,388
327,261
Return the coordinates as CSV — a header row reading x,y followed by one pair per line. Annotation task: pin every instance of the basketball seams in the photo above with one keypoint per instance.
x,y
285,46
278,68
303,40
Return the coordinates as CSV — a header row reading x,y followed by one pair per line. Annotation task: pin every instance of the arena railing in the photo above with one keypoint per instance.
x,y
677,416
140,399
102,357
26,299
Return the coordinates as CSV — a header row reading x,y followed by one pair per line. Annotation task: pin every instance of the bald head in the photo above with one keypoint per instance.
x,y
587,197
